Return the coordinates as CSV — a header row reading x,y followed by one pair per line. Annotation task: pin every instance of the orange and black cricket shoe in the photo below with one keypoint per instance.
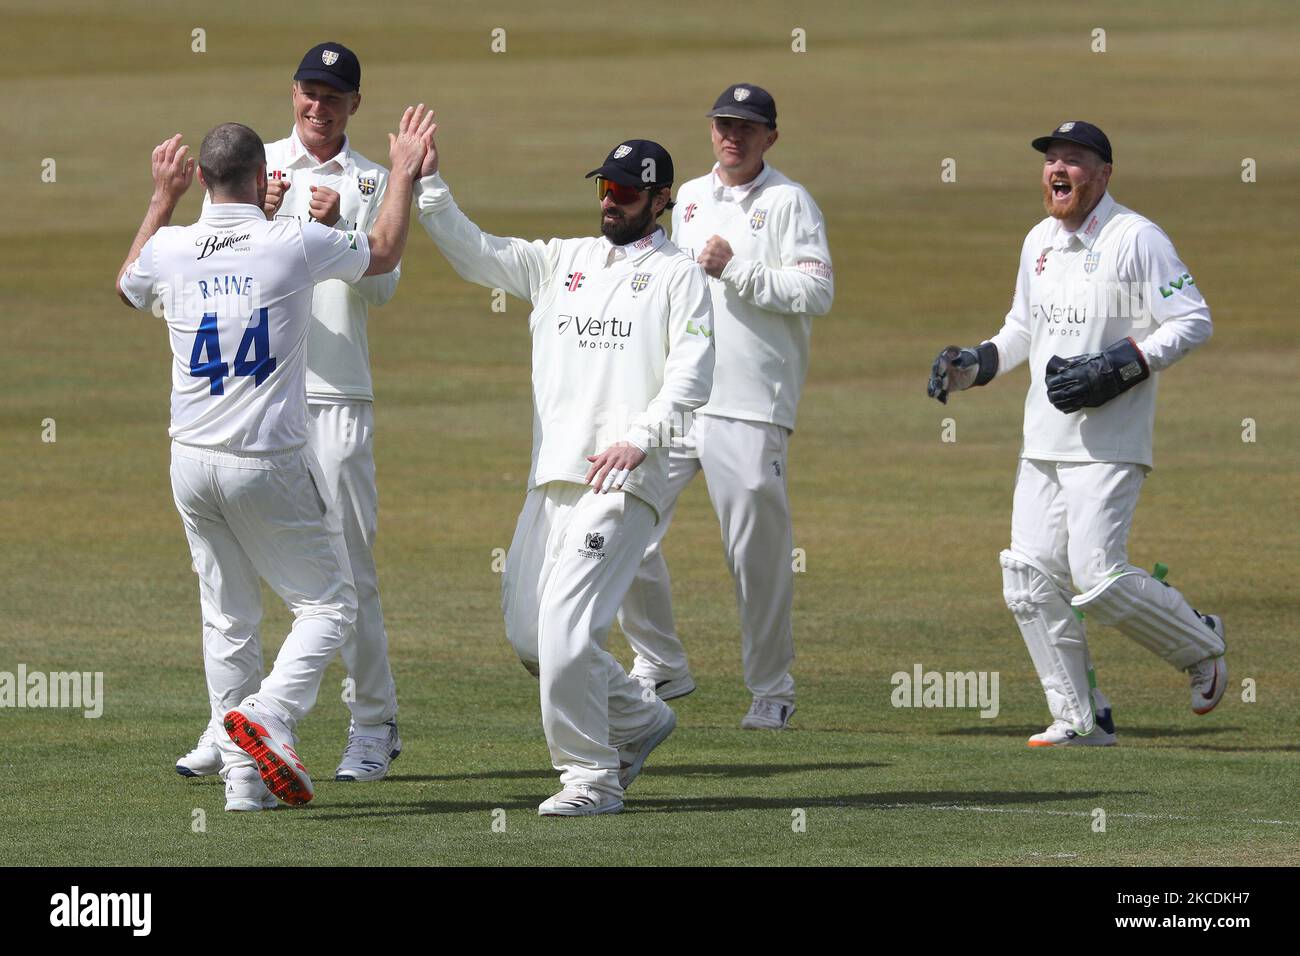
x,y
266,739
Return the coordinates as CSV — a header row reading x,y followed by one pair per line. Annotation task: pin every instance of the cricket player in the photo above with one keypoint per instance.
x,y
316,176
762,241
236,292
1102,305
622,342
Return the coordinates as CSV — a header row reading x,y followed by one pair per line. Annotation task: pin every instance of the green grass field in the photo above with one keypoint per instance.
x,y
901,529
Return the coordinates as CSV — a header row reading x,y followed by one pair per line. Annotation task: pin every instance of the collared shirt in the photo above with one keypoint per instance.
x,y
338,348
622,338
1079,292
237,296
763,304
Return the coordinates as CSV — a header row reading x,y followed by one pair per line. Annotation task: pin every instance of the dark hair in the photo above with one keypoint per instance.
x,y
668,205
229,156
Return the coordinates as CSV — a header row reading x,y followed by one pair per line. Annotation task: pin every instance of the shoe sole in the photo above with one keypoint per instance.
x,y
748,726
606,808
674,695
1221,684
659,736
289,784
1070,743
187,772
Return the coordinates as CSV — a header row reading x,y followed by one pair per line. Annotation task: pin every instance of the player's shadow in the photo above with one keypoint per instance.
x,y
682,770
1121,731
893,800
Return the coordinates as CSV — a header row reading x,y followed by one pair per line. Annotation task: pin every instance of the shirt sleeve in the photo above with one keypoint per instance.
x,y
804,283
139,282
1170,298
519,266
376,290
1014,338
334,254
688,371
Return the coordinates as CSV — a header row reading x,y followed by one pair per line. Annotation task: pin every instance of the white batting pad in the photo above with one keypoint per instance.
x,y
1154,614
1054,637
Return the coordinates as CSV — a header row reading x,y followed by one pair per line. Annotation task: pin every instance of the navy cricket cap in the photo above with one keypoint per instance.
x,y
748,102
331,63
1077,131
633,160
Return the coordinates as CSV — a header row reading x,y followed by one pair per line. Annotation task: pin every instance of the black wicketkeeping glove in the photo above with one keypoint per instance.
x,y
1088,381
958,369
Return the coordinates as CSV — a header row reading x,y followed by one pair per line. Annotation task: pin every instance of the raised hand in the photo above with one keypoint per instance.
x,y
173,170
406,149
275,190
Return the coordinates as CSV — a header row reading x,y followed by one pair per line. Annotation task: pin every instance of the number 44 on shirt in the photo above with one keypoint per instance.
x,y
257,337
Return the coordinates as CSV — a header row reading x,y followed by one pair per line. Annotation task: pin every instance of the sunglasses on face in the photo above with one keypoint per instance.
x,y
620,194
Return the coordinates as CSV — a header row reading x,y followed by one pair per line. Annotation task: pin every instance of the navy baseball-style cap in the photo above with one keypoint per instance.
x,y
1077,131
630,161
746,101
331,63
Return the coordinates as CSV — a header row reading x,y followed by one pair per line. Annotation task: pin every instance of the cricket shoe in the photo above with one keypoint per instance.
x,y
1062,734
369,752
245,791
668,689
631,756
204,759
1210,676
579,801
266,739
767,714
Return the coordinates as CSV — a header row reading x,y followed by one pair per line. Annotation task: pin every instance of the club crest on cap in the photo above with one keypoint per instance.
x,y
622,151
741,94
1065,127
329,57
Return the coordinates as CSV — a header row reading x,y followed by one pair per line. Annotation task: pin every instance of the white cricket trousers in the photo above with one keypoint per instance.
x,y
342,438
1071,519
247,515
744,465
573,555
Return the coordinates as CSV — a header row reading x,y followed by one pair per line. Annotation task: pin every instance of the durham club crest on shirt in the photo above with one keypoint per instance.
x,y
758,220
1091,261
367,184
640,281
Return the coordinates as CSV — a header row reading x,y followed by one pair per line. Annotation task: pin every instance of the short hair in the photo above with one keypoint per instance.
x,y
229,156
669,204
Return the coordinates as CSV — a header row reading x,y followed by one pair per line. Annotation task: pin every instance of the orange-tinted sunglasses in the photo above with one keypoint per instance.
x,y
623,195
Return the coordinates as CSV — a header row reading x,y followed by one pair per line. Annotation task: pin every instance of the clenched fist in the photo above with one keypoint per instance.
x,y
715,255
324,205
275,190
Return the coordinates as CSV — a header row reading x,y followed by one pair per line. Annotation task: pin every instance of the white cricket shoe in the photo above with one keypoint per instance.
x,y
579,801
668,689
264,737
1210,676
631,756
204,759
1061,734
767,714
245,791
369,752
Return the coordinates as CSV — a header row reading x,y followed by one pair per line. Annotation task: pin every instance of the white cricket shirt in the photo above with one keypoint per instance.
x,y
236,293
622,338
338,350
1076,293
779,278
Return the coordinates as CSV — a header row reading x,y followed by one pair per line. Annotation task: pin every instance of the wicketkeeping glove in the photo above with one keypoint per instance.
x,y
1088,381
958,369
